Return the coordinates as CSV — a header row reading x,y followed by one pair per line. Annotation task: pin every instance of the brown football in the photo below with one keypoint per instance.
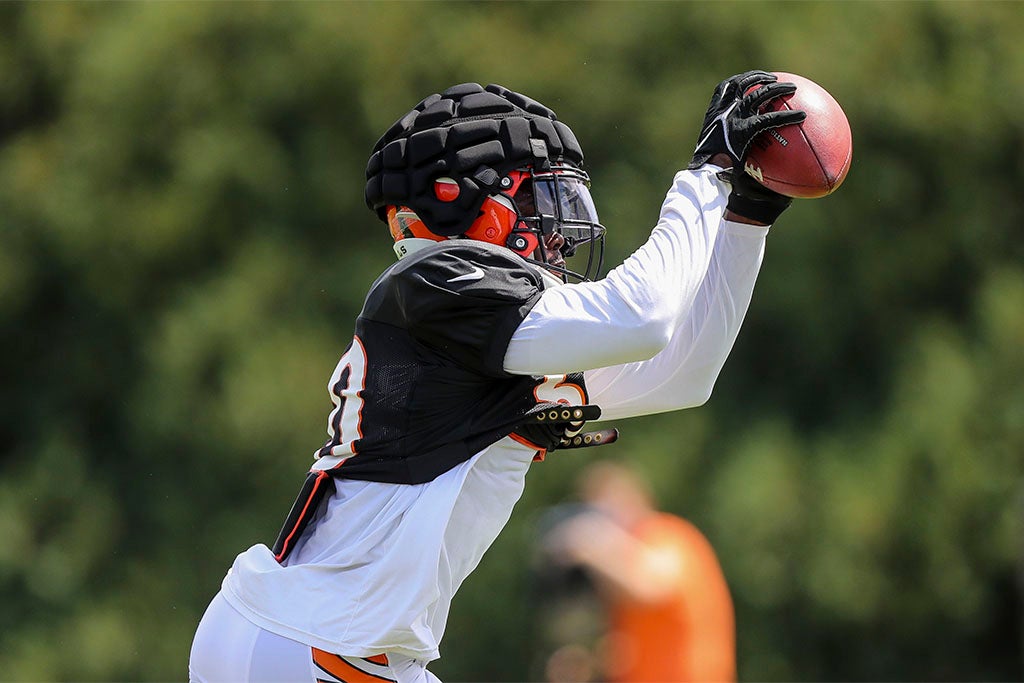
x,y
809,159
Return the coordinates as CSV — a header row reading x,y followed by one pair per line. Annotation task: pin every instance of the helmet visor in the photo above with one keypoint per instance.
x,y
566,198
558,201
563,198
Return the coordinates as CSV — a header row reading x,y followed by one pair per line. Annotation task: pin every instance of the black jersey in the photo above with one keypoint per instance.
x,y
421,387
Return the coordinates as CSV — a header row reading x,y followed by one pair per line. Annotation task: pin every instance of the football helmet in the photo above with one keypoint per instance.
x,y
492,165
544,217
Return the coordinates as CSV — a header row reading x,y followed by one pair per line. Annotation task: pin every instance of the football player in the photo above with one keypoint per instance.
x,y
484,347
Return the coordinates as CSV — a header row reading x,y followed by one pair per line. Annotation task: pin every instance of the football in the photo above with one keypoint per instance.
x,y
805,160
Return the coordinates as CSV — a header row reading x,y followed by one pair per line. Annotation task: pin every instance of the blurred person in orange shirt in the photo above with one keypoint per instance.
x,y
670,614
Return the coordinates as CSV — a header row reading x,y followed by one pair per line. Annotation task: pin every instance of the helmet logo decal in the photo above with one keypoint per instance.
x,y
539,148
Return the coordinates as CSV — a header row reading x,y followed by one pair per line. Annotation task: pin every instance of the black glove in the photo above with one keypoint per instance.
x,y
732,121
751,199
550,426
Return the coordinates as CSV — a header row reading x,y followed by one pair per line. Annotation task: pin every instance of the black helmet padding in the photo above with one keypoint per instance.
x,y
472,135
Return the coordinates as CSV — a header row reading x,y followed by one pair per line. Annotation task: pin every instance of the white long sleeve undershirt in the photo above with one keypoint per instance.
x,y
654,334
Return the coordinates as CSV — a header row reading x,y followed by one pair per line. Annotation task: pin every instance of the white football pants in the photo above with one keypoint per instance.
x,y
228,648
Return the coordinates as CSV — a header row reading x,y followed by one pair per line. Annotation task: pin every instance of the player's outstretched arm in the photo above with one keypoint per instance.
x,y
670,311
683,375
631,314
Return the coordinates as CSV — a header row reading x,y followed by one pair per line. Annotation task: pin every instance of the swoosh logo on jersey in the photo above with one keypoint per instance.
x,y
473,275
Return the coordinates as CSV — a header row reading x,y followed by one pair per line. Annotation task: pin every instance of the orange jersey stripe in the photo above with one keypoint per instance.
x,y
286,546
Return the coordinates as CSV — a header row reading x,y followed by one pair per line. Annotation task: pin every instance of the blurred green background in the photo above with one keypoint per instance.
x,y
183,249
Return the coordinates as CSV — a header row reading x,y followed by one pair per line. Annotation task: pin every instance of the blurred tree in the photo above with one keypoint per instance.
x,y
184,247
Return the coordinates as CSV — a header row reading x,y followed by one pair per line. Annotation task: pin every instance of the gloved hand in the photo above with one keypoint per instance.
x,y
751,199
551,426
732,119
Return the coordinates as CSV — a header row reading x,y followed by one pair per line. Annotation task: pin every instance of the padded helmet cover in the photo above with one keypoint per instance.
x,y
472,135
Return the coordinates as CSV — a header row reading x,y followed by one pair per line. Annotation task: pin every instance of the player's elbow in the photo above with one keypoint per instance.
x,y
703,394
701,385
650,336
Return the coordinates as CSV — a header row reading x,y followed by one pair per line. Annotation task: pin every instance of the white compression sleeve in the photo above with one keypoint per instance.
x,y
684,373
621,319
631,314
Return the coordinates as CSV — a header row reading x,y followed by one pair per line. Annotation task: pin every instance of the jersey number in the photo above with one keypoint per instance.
x,y
558,389
347,384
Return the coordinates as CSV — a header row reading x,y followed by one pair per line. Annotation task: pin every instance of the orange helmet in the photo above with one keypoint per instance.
x,y
487,164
